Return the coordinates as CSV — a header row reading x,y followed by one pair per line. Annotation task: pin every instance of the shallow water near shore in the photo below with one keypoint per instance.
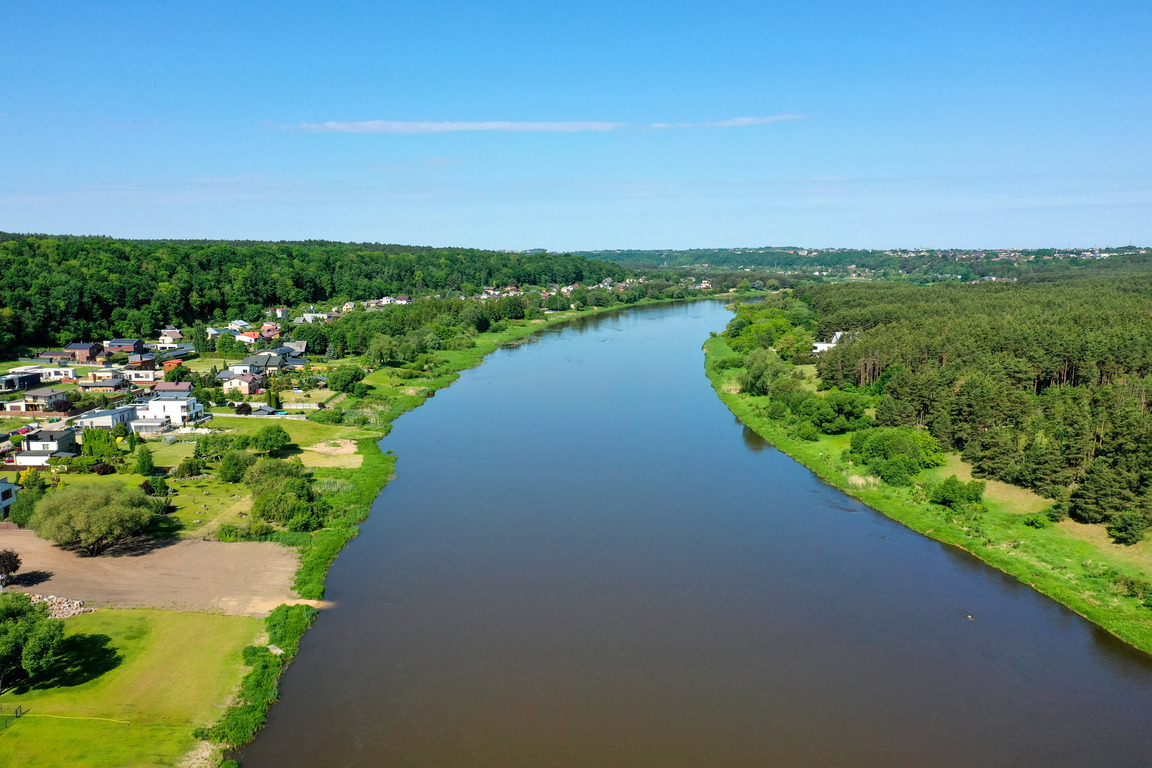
x,y
584,560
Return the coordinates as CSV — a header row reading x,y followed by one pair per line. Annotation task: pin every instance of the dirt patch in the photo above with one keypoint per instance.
x,y
333,447
332,453
239,579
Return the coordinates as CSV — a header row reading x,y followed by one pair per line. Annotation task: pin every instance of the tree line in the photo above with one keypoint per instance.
x,y
1043,385
56,290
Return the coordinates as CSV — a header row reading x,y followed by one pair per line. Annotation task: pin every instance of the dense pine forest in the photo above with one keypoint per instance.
x,y
55,290
1041,384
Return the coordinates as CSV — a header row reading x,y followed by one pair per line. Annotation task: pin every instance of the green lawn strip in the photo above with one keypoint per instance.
x,y
137,683
259,687
1100,586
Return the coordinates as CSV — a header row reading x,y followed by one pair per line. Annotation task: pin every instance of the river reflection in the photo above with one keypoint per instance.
x,y
583,561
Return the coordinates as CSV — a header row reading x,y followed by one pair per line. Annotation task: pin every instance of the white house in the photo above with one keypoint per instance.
x,y
46,444
240,325
822,346
106,419
178,410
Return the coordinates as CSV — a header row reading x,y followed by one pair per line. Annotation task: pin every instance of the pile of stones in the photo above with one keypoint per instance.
x,y
61,607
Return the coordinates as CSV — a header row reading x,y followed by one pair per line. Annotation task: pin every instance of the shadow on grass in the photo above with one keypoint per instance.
x,y
82,658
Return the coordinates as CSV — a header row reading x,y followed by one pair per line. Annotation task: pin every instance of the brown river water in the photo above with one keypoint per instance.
x,y
584,561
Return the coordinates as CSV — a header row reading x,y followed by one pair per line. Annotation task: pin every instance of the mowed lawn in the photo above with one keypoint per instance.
x,y
139,682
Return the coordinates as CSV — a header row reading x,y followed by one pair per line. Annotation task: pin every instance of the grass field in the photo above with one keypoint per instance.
x,y
138,683
303,433
1075,564
170,455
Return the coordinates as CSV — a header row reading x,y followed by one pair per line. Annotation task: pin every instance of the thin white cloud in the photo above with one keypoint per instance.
x,y
425,126
735,122
509,126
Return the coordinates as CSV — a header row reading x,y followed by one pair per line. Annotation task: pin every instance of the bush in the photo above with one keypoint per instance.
x,y
21,510
954,493
1128,527
234,465
1038,520
189,467
103,469
243,409
806,430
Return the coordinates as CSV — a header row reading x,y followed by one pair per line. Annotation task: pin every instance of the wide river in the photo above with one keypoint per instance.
x,y
585,561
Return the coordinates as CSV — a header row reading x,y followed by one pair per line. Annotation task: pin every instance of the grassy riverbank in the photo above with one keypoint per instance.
x,y
1074,564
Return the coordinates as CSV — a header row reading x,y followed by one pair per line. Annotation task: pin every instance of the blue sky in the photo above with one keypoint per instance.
x,y
582,125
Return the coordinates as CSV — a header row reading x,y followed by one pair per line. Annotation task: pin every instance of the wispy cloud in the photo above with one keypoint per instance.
x,y
735,122
510,126
451,126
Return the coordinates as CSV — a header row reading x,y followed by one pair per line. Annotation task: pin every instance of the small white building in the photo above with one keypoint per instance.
x,y
822,346
46,444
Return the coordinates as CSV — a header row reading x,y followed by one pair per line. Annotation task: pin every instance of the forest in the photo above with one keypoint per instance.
x,y
1043,385
56,290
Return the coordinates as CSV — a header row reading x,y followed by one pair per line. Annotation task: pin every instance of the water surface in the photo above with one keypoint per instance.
x,y
585,560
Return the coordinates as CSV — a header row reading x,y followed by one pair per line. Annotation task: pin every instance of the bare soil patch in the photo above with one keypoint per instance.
x,y
239,579
332,453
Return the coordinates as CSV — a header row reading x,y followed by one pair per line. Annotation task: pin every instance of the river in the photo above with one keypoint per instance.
x,y
584,560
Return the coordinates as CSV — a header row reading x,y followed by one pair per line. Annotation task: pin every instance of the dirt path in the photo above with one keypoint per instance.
x,y
241,579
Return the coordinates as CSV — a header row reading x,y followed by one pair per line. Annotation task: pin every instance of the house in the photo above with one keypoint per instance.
x,y
281,312
179,387
248,337
212,333
150,427
131,346
83,352
240,325
47,373
822,346
169,338
403,299
145,362
106,419
261,364
46,444
178,410
244,383
14,382
115,384
297,348
7,496
55,354
169,365
146,376
270,327
40,401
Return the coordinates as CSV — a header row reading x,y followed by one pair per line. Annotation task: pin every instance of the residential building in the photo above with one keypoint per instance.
x,y
248,337
240,325
115,384
144,362
170,337
46,444
14,382
42,400
178,410
131,346
7,496
178,387
106,419
85,352
243,383
150,427
146,376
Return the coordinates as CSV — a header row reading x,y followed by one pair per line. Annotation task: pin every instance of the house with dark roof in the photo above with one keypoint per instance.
x,y
131,346
85,352
40,401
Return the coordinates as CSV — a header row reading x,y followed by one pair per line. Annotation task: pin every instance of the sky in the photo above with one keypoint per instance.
x,y
592,125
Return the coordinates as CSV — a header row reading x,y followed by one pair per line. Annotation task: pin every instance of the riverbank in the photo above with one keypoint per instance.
x,y
1109,590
